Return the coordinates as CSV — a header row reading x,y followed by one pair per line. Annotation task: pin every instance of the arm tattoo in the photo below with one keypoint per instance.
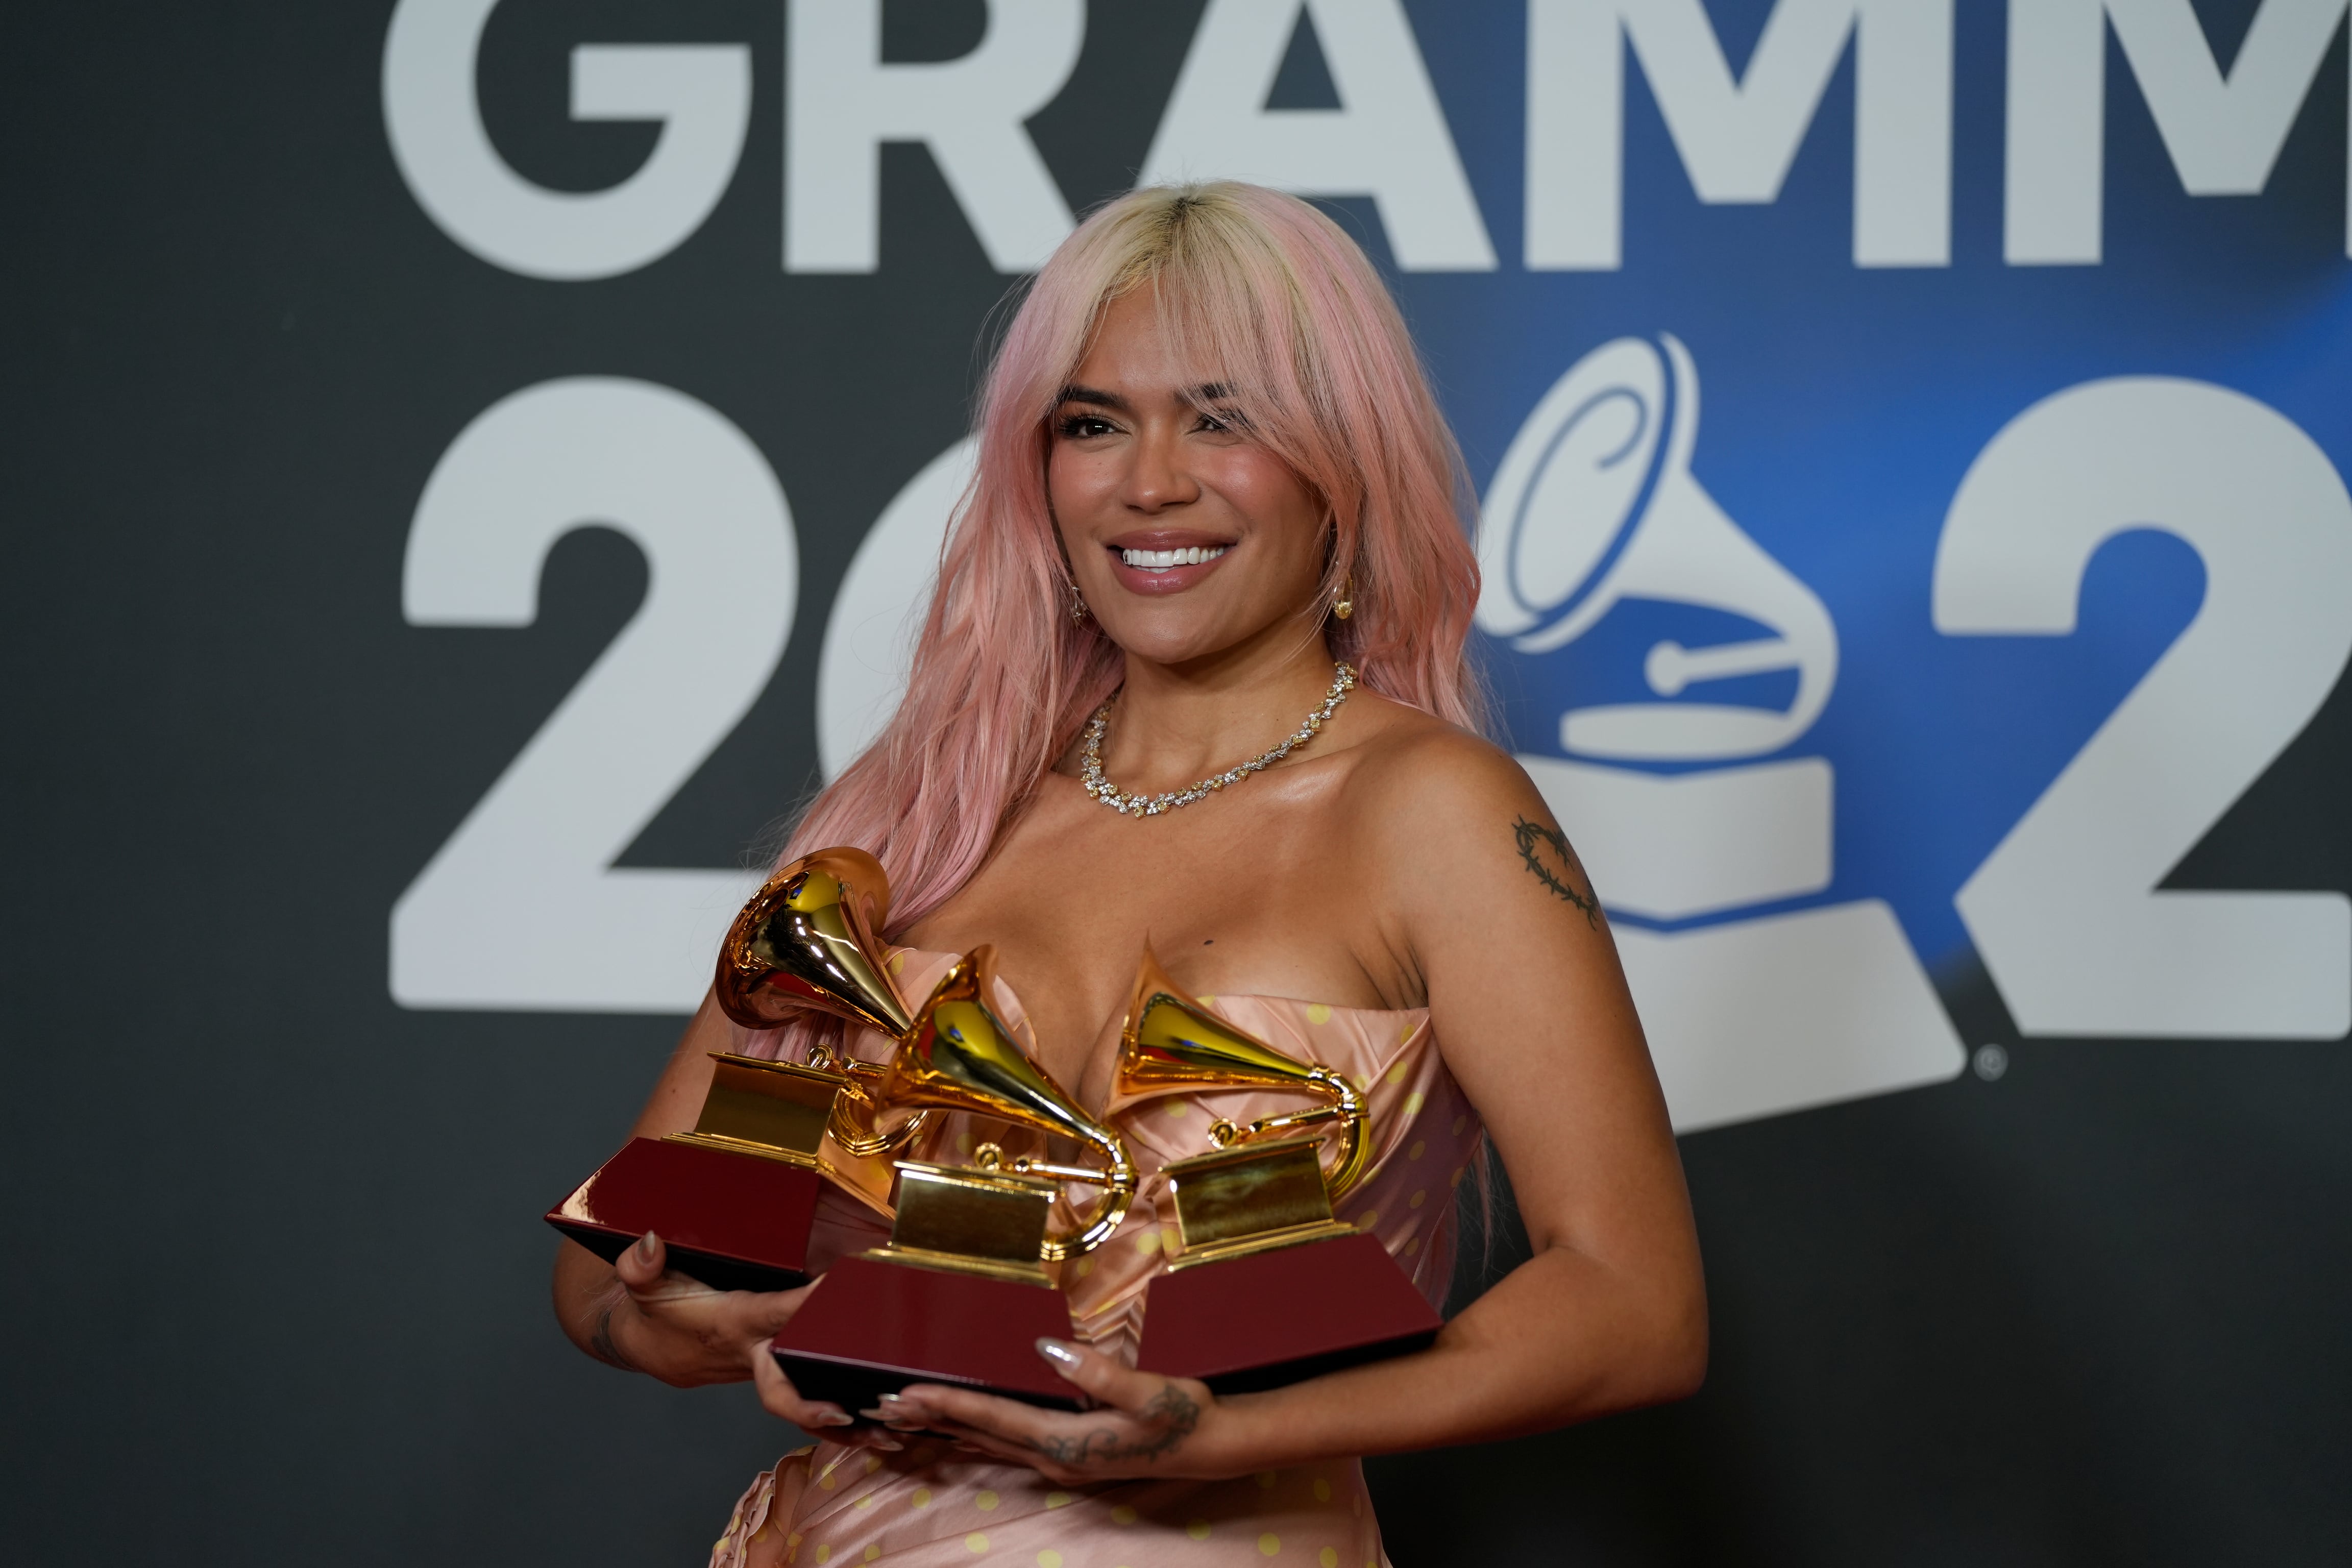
x,y
1532,835
1172,1406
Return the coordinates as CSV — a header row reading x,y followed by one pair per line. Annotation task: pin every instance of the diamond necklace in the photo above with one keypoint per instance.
x,y
1343,680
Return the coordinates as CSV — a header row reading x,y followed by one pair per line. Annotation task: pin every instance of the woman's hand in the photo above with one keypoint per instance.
x,y
1143,1424
688,1334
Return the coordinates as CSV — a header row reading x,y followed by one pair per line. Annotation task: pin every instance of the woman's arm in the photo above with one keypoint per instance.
x,y
637,1316
1530,1008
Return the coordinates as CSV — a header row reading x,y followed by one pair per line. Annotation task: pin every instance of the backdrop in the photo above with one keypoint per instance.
x,y
471,463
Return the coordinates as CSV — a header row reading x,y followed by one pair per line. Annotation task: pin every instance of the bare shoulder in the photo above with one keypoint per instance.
x,y
1427,798
1418,776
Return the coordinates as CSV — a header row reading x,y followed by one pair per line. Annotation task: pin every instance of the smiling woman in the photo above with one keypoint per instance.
x,y
1212,575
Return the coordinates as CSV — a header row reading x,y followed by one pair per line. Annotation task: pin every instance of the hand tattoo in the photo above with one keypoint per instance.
x,y
1532,834
1171,1406
600,1344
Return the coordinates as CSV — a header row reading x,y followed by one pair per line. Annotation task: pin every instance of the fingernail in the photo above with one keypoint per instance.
x,y
829,1416
888,1399
645,1247
1060,1355
891,1444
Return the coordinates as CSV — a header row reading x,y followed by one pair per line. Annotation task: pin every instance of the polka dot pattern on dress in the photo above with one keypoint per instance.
x,y
986,1503
1310,1514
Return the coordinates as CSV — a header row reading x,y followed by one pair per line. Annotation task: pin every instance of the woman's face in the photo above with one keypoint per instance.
x,y
1188,539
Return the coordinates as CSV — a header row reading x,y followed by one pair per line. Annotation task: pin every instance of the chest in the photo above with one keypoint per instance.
x,y
1236,896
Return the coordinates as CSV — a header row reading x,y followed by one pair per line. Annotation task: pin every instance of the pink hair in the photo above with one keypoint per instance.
x,y
1272,302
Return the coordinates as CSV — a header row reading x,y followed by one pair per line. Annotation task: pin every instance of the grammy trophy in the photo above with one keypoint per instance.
x,y
733,1199
960,1294
1270,1288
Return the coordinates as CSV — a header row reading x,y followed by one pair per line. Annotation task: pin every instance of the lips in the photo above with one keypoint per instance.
x,y
1165,559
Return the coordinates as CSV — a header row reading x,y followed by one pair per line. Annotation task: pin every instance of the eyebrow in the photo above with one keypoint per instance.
x,y
1207,392
1076,394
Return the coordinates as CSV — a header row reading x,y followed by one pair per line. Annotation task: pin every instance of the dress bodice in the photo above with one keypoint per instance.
x,y
930,1506
1421,1135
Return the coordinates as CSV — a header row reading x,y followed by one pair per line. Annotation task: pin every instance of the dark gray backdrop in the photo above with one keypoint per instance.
x,y
277,1285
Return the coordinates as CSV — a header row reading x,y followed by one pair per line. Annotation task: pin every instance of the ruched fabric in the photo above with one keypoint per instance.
x,y
931,1506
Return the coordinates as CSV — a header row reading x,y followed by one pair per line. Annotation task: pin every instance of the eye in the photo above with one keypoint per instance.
x,y
1224,421
1079,426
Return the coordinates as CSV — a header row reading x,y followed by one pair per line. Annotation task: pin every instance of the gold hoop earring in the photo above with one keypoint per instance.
x,y
1345,605
1078,606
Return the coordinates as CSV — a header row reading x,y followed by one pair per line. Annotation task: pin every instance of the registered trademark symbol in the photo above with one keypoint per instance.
x,y
1991,1062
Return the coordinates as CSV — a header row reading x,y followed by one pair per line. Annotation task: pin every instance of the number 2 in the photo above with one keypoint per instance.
x,y
522,907
2064,911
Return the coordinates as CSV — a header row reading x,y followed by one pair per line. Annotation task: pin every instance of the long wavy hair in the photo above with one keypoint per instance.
x,y
1270,302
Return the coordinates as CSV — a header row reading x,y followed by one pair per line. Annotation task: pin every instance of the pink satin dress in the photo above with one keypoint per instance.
x,y
930,1506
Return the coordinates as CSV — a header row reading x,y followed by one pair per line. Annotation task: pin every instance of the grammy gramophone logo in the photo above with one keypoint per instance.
x,y
1699,818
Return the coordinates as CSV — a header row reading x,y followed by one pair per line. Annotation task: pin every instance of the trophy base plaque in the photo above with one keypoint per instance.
x,y
734,1221
733,1200
1271,1289
877,1324
1266,1319
957,1297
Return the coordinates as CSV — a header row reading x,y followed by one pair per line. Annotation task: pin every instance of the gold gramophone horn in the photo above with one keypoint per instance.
x,y
1171,1044
806,941
961,1057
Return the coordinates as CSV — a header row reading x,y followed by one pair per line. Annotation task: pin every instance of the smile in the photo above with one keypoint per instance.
x,y
1161,560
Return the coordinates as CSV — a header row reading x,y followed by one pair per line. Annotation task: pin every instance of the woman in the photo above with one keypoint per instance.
x,y
1215,497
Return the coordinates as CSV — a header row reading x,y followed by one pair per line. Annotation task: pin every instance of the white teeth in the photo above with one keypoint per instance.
x,y
1160,560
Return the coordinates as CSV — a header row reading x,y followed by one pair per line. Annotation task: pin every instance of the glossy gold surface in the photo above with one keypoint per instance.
x,y
777,1109
1262,1241
972,1221
807,942
1252,1197
961,1057
1172,1045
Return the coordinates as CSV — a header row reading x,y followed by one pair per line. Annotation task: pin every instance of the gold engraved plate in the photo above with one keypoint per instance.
x,y
961,1057
1171,1044
1252,1197
970,1222
777,1109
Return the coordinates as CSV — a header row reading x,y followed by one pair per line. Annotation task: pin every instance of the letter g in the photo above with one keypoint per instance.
x,y
702,94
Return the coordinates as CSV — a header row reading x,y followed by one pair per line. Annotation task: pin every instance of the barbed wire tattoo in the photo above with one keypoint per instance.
x,y
1532,834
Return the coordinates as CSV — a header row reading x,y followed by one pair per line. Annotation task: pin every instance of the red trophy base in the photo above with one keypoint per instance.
x,y
1266,1319
874,1327
736,1222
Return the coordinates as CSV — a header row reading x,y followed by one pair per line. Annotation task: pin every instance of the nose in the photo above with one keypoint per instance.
x,y
1157,478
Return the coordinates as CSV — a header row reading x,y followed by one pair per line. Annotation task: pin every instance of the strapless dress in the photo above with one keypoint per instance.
x,y
931,1506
